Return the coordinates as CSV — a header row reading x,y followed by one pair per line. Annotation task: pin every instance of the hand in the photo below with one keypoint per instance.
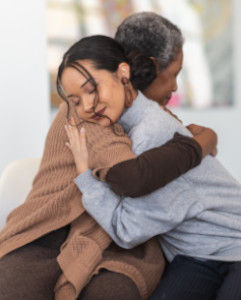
x,y
195,129
77,144
214,152
206,137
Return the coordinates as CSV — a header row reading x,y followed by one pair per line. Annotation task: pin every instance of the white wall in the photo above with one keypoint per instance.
x,y
24,104
226,121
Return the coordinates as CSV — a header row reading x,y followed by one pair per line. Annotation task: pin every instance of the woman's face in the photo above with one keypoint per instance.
x,y
165,83
81,93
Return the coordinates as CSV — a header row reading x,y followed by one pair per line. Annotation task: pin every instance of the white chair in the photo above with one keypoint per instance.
x,y
15,184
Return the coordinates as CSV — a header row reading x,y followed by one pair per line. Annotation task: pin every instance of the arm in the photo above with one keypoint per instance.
x,y
128,222
157,167
147,172
101,203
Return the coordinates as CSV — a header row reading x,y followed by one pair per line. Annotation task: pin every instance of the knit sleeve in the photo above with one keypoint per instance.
x,y
155,168
106,148
112,160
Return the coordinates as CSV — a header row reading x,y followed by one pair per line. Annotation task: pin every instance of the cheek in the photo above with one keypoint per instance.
x,y
107,91
170,84
80,113
112,94
117,105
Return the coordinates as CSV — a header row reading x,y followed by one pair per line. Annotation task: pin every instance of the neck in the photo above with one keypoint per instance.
x,y
134,94
134,114
130,96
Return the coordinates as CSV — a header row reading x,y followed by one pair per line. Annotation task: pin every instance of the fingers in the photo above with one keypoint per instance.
x,y
68,145
189,126
195,129
82,134
72,121
72,131
83,138
75,136
214,152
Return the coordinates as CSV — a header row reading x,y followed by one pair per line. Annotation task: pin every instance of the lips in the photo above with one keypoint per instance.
x,y
95,116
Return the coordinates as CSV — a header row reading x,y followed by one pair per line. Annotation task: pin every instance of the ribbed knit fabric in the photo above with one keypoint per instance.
x,y
55,201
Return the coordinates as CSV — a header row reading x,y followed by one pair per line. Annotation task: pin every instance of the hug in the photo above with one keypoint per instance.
x,y
123,187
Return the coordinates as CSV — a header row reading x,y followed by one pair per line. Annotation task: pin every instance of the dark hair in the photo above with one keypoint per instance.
x,y
106,53
151,34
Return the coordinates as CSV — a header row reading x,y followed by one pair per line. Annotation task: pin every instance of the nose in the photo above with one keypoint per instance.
x,y
175,86
88,104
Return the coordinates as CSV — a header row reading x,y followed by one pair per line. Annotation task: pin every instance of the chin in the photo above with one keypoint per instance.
x,y
104,122
163,101
166,100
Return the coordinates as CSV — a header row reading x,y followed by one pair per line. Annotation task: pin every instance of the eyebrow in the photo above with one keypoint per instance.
x,y
70,96
80,87
85,82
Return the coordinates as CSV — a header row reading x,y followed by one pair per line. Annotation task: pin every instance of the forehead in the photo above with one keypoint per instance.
x,y
177,64
71,76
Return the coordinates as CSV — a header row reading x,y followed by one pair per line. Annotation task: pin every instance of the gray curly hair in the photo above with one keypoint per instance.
x,y
152,35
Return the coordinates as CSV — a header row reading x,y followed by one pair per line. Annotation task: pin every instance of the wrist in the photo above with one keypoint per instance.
x,y
81,168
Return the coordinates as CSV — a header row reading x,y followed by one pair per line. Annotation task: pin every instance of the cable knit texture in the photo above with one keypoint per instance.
x,y
54,201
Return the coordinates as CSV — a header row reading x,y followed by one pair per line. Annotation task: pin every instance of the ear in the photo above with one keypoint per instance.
x,y
123,70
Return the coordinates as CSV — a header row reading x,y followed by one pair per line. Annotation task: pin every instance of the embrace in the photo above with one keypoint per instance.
x,y
128,203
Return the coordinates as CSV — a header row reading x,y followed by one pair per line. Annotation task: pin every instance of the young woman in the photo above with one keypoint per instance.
x,y
197,216
35,231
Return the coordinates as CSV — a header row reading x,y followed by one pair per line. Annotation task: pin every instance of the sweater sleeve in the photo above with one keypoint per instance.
x,y
106,148
129,223
154,168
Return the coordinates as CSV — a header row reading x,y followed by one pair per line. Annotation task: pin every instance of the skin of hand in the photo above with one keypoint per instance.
x,y
78,146
206,137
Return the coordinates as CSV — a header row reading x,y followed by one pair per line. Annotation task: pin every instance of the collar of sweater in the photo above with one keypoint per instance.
x,y
133,115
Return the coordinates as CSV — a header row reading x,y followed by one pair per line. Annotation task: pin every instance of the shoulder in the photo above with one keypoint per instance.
x,y
156,122
101,137
56,133
107,146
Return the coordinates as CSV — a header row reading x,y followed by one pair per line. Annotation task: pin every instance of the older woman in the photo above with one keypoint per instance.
x,y
35,233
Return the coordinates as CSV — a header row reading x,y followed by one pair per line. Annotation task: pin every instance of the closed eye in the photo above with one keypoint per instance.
x,y
94,89
76,103
91,92
75,100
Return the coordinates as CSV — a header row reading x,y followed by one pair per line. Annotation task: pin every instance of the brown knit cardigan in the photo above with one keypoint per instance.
x,y
55,201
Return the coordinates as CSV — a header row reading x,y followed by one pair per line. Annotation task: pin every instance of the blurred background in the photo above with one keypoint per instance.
x,y
207,76
35,35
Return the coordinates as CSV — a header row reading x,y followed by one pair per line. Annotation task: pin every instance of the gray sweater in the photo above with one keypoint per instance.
x,y
198,214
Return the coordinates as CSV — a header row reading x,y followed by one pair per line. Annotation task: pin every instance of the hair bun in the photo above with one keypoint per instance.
x,y
143,70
